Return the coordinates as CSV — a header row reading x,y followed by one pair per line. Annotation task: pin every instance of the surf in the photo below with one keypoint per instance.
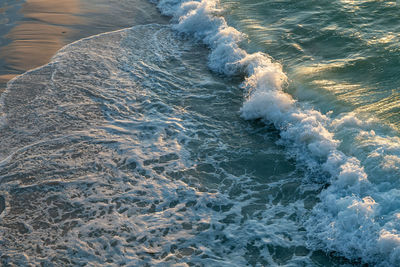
x,y
348,220
127,143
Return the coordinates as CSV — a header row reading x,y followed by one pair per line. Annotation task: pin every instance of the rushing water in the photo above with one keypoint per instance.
x,y
254,133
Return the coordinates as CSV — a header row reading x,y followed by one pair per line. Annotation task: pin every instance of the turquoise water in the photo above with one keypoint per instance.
x,y
242,134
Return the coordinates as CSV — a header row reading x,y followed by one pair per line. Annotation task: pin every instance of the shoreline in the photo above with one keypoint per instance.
x,y
35,30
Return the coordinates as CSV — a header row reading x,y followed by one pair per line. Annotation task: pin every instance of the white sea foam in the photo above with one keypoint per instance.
x,y
352,217
122,171
358,215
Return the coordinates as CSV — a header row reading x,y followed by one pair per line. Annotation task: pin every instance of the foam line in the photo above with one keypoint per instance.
x,y
345,220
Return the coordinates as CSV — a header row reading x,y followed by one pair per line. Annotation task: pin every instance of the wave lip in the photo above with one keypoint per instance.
x,y
347,218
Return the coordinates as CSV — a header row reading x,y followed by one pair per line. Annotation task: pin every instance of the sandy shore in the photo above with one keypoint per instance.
x,y
32,31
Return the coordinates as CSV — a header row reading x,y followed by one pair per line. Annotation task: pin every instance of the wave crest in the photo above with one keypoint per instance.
x,y
347,218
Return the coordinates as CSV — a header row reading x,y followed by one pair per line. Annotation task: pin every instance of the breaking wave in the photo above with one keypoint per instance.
x,y
358,215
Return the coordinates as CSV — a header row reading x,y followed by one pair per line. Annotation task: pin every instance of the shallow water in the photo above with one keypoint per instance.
x,y
32,31
141,164
145,147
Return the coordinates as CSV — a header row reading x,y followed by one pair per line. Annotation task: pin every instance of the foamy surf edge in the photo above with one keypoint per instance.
x,y
346,220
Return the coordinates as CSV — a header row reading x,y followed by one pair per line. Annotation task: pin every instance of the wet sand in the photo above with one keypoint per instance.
x,y
32,31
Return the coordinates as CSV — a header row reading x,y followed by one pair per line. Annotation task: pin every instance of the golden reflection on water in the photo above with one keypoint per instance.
x,y
4,79
354,5
366,100
35,41
387,38
327,66
53,12
345,92
33,45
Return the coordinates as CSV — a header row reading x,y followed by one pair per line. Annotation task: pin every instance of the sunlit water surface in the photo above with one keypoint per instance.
x,y
126,149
